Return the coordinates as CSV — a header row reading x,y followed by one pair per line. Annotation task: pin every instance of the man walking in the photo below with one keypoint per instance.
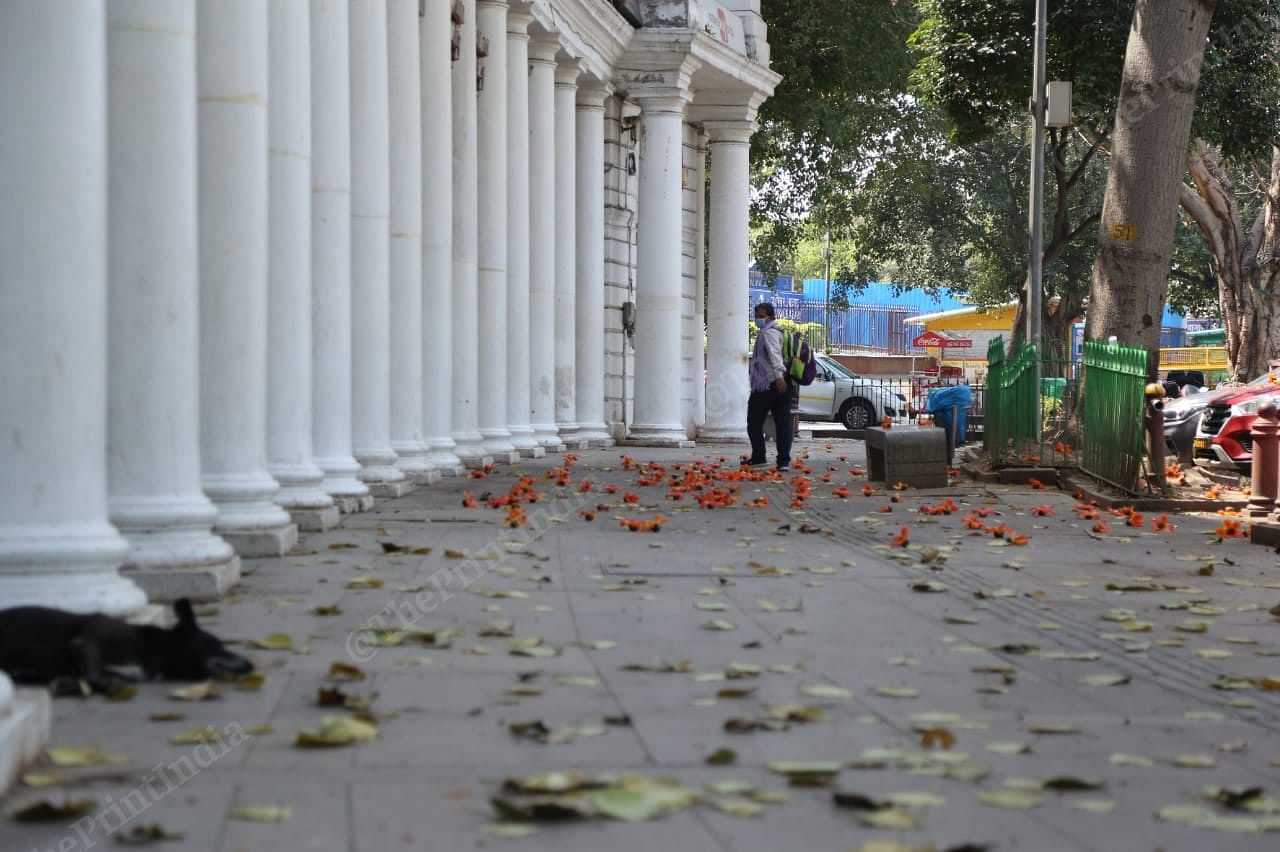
x,y
769,391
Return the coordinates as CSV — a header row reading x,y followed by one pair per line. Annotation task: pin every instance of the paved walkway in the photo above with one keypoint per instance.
x,y
1136,663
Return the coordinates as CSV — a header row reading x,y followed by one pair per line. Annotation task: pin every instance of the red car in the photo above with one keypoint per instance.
x,y
1223,440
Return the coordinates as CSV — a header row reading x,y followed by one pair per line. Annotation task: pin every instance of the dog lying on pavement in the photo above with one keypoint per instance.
x,y
63,650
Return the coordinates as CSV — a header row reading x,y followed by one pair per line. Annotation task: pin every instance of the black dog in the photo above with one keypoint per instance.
x,y
63,649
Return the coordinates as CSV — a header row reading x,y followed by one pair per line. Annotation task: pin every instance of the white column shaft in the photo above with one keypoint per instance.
x,y
700,281
727,383
331,255
542,244
56,545
517,82
466,346
405,104
153,390
290,458
370,249
232,88
566,135
589,272
437,235
491,151
657,418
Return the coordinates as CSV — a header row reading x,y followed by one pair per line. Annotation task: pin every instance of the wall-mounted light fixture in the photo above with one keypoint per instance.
x,y
482,51
457,14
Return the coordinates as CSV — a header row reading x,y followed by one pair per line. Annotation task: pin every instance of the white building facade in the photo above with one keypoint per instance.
x,y
267,261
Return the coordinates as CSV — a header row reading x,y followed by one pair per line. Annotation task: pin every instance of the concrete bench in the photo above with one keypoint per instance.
x,y
915,456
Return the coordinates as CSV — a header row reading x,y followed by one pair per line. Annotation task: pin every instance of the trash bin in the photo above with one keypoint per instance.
x,y
941,403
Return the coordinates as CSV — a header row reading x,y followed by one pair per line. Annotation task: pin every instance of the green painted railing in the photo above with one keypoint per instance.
x,y
1013,415
1115,377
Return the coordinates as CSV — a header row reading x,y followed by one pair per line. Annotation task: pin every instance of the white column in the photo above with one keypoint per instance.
x,y
700,284
727,384
56,545
437,236
153,360
657,417
491,152
331,256
566,135
371,252
542,243
232,88
289,449
466,347
405,104
517,390
589,271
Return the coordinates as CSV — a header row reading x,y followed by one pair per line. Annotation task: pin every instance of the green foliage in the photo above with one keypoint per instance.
x,y
975,64
814,332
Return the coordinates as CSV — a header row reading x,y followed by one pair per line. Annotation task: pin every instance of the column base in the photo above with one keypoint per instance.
x,y
723,435
25,717
411,458
596,435
386,490
469,447
196,582
349,494
547,438
497,443
261,541
317,520
659,436
67,566
430,476
526,442
441,457
477,462
534,452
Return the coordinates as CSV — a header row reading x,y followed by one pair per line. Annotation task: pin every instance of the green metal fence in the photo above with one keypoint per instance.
x,y
1013,430
1112,449
1023,426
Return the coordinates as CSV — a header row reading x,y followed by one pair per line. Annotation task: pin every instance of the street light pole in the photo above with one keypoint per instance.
x,y
826,319
1035,280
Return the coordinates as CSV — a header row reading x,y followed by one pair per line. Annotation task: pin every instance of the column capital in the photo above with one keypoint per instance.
x,y
503,3
518,20
665,79
567,72
543,49
665,102
730,132
592,92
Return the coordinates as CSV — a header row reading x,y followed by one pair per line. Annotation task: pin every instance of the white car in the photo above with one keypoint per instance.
x,y
840,395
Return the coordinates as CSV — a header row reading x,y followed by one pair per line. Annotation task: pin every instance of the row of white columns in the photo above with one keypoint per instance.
x,y
365,274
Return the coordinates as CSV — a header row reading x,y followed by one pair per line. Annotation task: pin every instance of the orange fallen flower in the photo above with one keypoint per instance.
x,y
885,509
868,491
1035,484
1101,528
841,492
611,489
628,463
857,471
1019,539
631,497
886,423
1135,519
584,486
758,503
900,486
983,512
973,523
1212,493
1162,524
1042,511
1229,529
901,539
588,514
479,474
516,517
643,524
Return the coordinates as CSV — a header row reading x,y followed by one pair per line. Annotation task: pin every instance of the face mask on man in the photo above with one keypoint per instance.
x,y
761,322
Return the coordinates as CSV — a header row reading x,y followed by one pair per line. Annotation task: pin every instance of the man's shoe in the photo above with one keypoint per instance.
x,y
756,462
784,466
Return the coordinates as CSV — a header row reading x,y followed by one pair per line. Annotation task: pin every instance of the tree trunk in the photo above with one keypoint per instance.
x,y
1247,266
1144,183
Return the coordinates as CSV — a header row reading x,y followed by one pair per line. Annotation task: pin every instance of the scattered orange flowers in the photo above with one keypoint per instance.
x,y
1101,528
758,503
902,538
1136,520
1162,524
946,507
631,498
516,517
841,492
628,463
469,500
1042,511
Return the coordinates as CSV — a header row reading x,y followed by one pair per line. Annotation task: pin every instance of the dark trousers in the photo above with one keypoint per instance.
x,y
759,406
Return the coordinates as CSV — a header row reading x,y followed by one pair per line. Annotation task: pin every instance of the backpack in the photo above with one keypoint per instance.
x,y
798,358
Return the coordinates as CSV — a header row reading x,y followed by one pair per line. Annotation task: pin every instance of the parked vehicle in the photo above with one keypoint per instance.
x,y
841,395
1181,420
1223,440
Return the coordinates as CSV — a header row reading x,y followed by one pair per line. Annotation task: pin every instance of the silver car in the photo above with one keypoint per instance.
x,y
842,396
